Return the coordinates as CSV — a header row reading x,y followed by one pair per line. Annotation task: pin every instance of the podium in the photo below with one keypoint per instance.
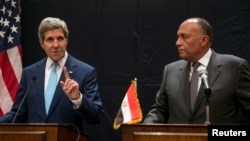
x,y
40,132
164,132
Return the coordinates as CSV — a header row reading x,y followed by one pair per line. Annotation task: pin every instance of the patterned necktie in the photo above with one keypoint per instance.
x,y
194,84
52,83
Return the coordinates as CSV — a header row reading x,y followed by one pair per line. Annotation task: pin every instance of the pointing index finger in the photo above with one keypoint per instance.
x,y
66,73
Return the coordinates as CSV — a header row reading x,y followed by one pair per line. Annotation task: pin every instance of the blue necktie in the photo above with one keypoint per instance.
x,y
52,83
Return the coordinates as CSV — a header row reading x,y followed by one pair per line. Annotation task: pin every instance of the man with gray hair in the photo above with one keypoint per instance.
x,y
59,88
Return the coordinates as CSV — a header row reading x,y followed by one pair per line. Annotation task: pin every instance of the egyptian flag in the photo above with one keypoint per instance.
x,y
130,110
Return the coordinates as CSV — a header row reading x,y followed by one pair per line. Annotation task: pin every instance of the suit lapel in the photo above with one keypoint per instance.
x,y
184,83
40,75
214,67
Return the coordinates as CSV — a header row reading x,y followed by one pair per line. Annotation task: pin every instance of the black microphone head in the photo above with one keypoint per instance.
x,y
202,72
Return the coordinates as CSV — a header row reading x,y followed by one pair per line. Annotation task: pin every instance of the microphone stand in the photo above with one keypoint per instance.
x,y
207,104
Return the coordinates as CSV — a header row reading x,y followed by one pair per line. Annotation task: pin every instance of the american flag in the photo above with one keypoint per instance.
x,y
10,53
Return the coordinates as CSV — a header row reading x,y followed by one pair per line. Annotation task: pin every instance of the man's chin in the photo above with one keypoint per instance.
x,y
56,57
182,56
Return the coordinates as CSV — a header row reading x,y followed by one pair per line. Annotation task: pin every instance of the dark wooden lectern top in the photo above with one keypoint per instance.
x,y
164,132
40,132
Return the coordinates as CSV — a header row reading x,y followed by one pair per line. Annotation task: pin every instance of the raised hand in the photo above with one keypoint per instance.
x,y
70,86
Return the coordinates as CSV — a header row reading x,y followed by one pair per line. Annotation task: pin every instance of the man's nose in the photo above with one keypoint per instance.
x,y
178,42
55,43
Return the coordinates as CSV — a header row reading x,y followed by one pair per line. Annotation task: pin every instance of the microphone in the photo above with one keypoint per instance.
x,y
204,80
31,81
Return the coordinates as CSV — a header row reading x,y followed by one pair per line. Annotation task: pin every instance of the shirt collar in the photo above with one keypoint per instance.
x,y
205,59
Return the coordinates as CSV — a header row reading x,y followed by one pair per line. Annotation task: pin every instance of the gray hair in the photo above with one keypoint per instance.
x,y
50,23
205,27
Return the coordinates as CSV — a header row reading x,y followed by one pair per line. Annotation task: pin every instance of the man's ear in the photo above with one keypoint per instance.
x,y
41,43
205,40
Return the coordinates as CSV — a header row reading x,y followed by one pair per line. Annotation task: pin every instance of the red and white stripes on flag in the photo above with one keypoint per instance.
x,y
130,110
10,53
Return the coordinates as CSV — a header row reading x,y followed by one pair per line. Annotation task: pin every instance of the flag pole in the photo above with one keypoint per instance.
x,y
135,79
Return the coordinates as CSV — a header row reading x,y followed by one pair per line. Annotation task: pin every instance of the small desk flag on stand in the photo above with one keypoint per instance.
x,y
130,110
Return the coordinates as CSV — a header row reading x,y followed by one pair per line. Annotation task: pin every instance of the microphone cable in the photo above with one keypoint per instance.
x,y
26,93
76,128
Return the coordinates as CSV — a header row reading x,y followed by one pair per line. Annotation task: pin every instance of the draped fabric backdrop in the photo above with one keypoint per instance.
x,y
132,38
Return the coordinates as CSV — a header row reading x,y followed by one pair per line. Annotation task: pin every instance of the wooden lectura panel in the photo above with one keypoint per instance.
x,y
40,132
163,132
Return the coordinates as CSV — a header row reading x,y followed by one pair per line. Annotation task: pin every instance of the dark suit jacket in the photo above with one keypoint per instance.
x,y
229,79
61,109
